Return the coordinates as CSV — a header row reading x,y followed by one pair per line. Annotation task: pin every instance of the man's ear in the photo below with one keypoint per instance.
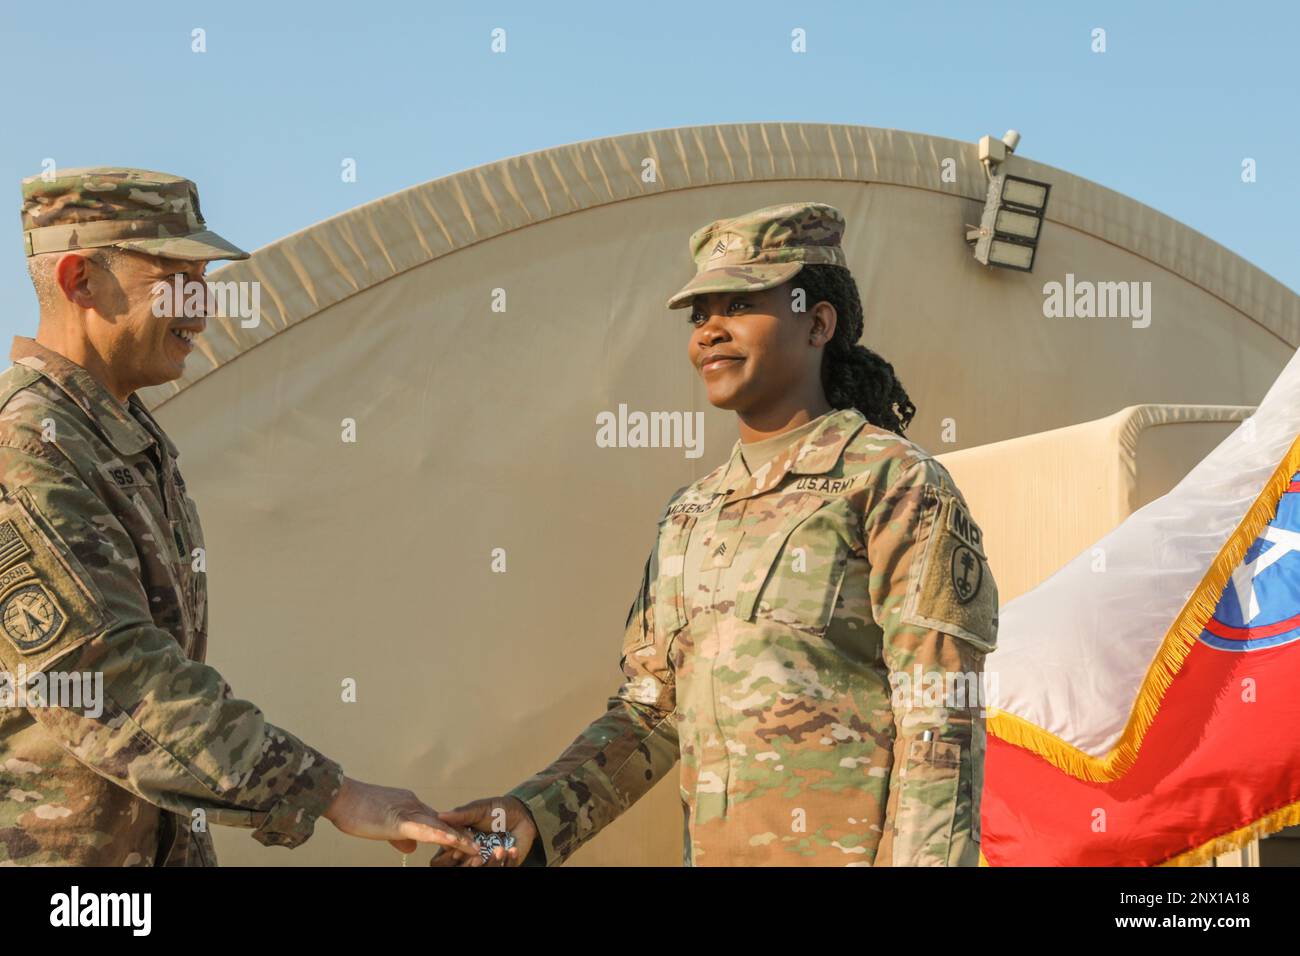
x,y
72,274
824,320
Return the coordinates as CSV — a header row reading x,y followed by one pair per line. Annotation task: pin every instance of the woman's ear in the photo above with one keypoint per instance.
x,y
824,320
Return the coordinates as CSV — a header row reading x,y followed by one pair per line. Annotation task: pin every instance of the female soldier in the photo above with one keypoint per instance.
x,y
811,627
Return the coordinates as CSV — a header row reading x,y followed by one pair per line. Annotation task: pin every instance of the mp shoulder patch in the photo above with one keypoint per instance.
x,y
951,588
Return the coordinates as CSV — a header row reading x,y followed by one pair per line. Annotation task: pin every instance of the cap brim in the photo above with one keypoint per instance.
x,y
753,278
199,246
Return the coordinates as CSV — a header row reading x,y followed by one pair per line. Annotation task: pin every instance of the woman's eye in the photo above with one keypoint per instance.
x,y
738,305
695,318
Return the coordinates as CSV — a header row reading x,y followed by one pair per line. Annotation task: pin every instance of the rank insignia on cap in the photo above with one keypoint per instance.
x,y
725,244
31,616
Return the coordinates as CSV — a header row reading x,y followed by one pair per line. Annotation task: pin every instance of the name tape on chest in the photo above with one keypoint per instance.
x,y
120,474
824,485
693,504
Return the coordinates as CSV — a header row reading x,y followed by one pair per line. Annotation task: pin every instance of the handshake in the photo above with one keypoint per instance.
x,y
498,831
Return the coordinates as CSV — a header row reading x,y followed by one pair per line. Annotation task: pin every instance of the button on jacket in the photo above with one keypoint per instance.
x,y
102,573
809,640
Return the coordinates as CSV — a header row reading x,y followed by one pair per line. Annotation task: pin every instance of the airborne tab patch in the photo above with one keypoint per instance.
x,y
16,573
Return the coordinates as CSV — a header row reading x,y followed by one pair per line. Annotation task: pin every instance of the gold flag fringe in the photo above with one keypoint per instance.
x,y
1178,642
1288,816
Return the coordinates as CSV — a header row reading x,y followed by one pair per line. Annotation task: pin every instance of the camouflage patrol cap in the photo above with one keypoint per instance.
x,y
762,249
153,213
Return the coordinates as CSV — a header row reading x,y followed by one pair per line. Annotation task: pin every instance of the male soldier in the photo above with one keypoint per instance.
x,y
101,570
810,630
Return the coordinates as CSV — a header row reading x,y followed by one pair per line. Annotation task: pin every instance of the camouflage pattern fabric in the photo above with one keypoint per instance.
x,y
100,573
153,213
842,565
762,249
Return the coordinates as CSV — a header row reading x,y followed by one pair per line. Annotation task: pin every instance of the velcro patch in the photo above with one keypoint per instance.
x,y
30,616
12,545
823,485
960,524
692,504
46,604
16,573
120,474
952,589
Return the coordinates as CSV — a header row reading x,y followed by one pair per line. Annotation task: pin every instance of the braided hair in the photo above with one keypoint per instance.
x,y
853,376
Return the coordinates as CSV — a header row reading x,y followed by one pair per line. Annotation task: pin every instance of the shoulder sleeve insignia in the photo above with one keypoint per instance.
x,y
47,606
30,616
951,588
967,531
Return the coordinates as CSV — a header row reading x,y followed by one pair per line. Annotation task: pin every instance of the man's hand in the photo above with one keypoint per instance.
x,y
373,812
492,815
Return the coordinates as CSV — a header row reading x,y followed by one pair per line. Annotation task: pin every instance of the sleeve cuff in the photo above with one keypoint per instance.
x,y
293,817
545,819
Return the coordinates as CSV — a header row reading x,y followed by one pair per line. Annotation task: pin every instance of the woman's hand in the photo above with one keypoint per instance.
x,y
491,815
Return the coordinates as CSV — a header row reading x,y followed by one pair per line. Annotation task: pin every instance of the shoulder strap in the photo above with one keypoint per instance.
x,y
13,380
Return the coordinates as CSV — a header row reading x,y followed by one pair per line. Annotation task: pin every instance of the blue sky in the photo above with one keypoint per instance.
x,y
285,91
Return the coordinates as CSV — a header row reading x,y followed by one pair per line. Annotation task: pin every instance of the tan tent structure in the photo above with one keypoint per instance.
x,y
467,333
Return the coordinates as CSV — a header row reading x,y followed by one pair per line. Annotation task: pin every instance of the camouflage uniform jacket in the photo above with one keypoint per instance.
x,y
102,572
819,685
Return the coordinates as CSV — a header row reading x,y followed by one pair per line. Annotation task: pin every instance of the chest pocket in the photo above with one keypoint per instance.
x,y
670,584
193,571
796,572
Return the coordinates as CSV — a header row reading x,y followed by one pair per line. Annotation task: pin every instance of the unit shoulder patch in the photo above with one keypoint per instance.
x,y
951,588
966,530
30,616
46,603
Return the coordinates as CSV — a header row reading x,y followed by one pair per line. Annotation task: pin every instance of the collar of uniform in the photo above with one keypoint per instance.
x,y
145,418
727,476
815,455
124,433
